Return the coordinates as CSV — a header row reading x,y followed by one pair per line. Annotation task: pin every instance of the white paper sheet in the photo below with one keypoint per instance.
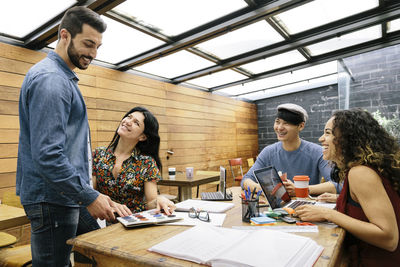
x,y
210,206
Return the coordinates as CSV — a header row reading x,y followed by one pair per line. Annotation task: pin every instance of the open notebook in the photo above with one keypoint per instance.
x,y
218,246
276,193
221,194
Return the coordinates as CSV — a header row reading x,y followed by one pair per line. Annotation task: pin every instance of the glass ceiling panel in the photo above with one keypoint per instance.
x,y
218,78
394,25
174,65
346,40
173,17
320,12
274,62
248,38
121,42
292,88
256,85
282,79
21,17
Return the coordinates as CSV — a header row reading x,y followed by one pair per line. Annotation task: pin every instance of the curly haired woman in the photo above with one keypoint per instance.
x,y
367,158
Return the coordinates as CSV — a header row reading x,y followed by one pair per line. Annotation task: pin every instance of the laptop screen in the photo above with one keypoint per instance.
x,y
272,186
222,180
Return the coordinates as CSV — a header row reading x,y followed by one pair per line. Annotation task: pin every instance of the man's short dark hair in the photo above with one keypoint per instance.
x,y
75,17
292,113
289,116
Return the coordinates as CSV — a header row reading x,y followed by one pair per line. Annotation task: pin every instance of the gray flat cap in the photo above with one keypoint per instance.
x,y
295,109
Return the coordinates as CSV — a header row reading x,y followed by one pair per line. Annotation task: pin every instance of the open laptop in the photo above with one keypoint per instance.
x,y
221,194
276,193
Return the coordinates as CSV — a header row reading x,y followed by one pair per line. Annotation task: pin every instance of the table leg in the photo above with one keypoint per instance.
x,y
185,192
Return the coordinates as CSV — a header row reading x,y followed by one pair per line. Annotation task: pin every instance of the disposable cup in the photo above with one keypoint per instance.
x,y
301,185
171,172
189,172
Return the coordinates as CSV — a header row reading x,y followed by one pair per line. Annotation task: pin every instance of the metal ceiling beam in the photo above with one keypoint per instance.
x,y
281,31
210,30
48,33
284,34
325,32
133,24
391,39
284,84
130,23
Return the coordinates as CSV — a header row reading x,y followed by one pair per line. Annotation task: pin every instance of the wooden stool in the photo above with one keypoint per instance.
x,y
6,239
19,256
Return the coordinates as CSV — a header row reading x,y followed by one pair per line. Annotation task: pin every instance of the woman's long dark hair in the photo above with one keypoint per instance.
x,y
150,146
362,141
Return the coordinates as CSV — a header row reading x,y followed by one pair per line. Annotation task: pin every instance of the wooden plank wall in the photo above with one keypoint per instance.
x,y
203,130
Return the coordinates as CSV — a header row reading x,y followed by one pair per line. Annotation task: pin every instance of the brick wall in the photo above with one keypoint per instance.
x,y
377,80
376,86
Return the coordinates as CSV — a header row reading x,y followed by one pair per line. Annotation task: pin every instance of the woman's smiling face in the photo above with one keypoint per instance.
x,y
132,127
327,141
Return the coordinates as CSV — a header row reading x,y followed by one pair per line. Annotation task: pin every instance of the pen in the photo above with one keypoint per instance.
x,y
254,191
248,192
244,196
258,195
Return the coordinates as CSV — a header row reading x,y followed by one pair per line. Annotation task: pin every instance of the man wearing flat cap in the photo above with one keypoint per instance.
x,y
293,155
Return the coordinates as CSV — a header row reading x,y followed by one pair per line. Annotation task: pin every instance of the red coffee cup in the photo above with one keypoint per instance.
x,y
301,185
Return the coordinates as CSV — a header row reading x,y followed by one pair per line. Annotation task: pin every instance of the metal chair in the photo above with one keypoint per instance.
x,y
236,165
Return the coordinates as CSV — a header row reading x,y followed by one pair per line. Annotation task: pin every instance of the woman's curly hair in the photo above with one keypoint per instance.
x,y
362,141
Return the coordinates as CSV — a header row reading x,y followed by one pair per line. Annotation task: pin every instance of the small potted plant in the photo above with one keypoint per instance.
x,y
392,126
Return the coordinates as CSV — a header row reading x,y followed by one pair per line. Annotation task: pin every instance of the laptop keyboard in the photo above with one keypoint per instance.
x,y
212,195
297,203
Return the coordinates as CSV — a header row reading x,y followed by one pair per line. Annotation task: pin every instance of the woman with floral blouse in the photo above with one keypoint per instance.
x,y
129,168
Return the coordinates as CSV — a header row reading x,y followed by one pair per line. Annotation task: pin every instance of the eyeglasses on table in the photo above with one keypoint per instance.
x,y
202,215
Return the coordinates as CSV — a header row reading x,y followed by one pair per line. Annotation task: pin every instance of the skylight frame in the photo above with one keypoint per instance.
x,y
280,80
160,17
346,40
256,35
14,16
320,12
183,59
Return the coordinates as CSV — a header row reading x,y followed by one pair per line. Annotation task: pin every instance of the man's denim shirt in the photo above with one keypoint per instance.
x,y
52,153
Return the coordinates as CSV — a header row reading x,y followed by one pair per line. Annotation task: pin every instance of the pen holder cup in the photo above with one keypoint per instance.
x,y
250,209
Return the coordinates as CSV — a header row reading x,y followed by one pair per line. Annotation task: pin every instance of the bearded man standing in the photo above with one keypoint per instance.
x,y
54,153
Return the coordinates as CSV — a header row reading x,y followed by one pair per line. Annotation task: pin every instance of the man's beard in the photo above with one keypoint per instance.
x,y
74,56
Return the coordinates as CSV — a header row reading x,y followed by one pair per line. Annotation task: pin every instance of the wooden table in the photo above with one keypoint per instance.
x,y
12,217
185,185
118,246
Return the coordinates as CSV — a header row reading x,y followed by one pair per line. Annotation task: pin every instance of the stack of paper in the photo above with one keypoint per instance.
x,y
218,246
210,206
